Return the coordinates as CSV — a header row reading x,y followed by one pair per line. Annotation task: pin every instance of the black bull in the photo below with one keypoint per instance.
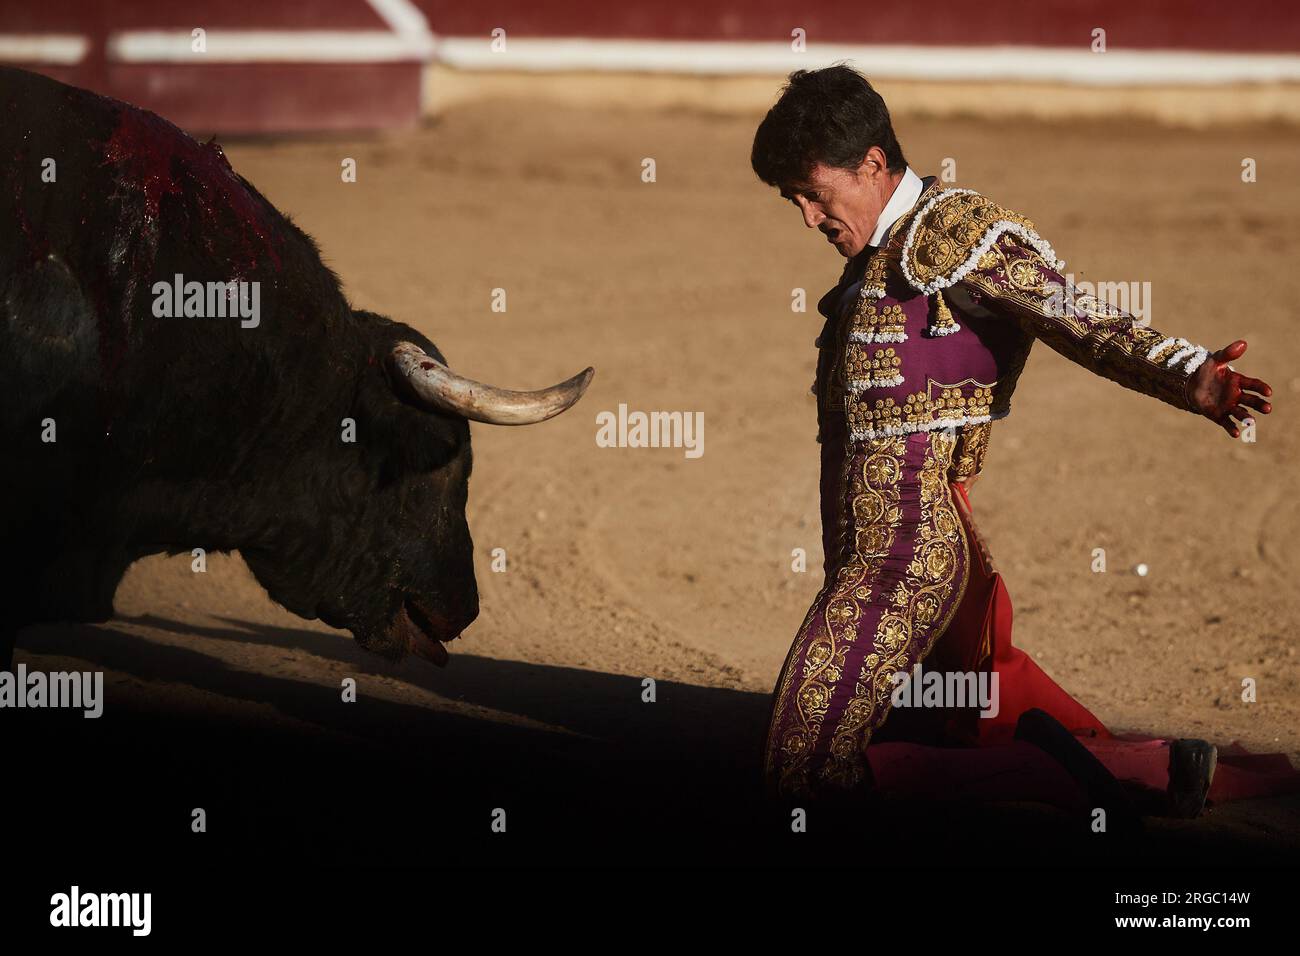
x,y
297,436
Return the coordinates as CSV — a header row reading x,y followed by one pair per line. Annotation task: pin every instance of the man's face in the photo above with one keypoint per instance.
x,y
843,204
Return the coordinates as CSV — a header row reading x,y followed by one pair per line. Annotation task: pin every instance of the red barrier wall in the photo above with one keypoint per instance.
x,y
1239,25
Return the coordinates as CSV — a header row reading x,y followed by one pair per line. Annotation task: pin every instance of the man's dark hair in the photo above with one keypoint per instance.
x,y
830,116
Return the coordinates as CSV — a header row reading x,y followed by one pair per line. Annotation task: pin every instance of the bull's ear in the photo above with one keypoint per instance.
x,y
409,440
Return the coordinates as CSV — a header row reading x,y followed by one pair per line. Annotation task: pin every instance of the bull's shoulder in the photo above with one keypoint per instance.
x,y
950,229
41,110
15,82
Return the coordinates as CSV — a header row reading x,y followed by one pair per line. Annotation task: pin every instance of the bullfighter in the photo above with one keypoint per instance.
x,y
926,333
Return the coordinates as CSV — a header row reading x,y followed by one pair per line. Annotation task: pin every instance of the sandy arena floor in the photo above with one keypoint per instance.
x,y
633,563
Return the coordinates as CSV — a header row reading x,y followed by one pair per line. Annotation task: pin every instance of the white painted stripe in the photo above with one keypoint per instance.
x,y
65,49
402,17
410,39
271,46
1066,65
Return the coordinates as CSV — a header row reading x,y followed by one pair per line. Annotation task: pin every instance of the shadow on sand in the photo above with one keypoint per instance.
x,y
583,768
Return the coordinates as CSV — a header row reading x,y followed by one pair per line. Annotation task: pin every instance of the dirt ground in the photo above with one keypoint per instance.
x,y
625,564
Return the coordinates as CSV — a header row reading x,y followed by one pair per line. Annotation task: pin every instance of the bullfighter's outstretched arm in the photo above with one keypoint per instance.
x,y
1018,277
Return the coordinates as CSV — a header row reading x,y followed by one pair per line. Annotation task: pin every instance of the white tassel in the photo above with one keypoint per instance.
x,y
862,384
907,428
1185,351
1158,348
1197,361
867,338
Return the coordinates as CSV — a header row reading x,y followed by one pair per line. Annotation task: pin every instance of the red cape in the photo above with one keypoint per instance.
x,y
979,639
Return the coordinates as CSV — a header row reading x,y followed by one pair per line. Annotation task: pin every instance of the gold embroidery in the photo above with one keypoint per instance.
x,y
874,496
954,399
957,403
871,323
912,624
949,227
871,368
1103,339
934,580
972,445
874,323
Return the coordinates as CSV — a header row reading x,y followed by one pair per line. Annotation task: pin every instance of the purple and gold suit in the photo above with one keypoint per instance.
x,y
924,340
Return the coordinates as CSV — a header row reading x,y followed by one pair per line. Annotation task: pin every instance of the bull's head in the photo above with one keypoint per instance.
x,y
433,612
401,575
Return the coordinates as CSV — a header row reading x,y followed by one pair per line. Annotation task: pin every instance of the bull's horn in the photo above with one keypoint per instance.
x,y
441,388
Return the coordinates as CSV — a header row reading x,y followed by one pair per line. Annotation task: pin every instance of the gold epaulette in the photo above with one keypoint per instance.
x,y
951,230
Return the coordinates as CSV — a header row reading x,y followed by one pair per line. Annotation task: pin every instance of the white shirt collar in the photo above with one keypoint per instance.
x,y
906,193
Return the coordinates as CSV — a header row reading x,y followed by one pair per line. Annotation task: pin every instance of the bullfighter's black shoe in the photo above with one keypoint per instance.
x,y
1191,771
1104,791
